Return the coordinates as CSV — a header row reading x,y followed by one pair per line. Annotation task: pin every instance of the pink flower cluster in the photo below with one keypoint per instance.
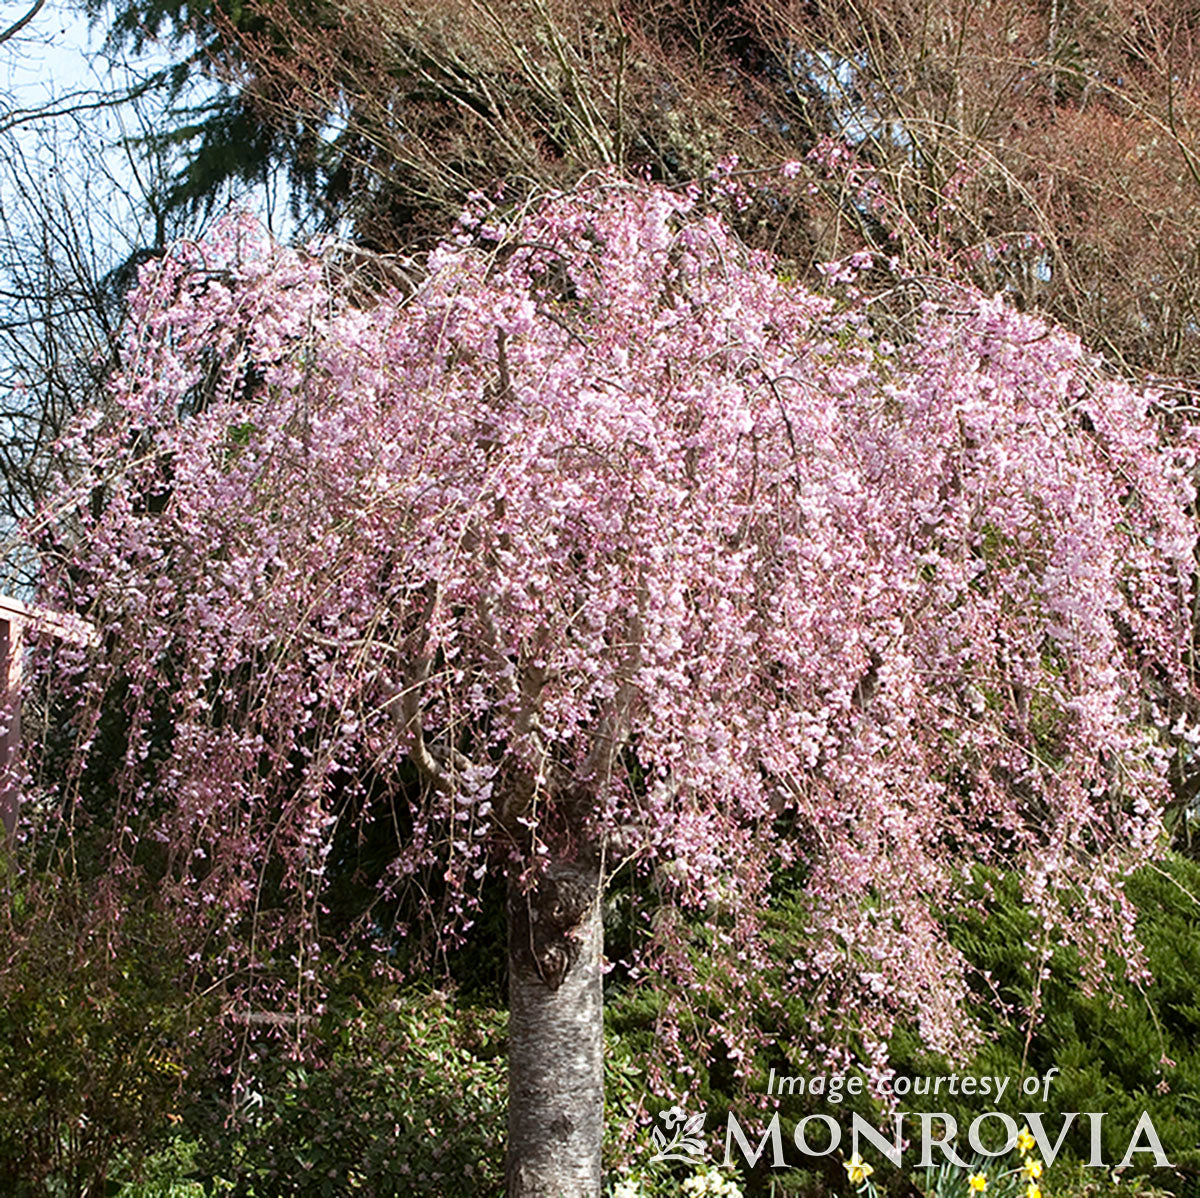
x,y
646,552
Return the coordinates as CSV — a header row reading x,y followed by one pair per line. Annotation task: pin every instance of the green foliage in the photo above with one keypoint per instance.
x,y
404,1093
163,1174
406,1097
1121,1051
97,1040
1076,1180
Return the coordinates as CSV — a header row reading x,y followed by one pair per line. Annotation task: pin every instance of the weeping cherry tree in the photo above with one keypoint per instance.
x,y
641,557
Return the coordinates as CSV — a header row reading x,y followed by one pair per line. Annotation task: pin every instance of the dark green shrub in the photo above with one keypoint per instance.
x,y
98,1036
1121,1052
405,1096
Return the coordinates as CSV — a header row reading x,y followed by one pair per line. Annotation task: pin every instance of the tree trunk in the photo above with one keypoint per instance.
x,y
556,1035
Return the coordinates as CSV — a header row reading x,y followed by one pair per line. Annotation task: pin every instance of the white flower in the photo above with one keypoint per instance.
x,y
711,1182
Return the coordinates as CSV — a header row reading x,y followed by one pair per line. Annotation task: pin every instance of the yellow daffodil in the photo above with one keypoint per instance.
x,y
1032,1168
1032,1190
1024,1140
857,1169
977,1182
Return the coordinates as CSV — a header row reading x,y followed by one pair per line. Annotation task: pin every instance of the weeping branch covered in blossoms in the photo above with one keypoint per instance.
x,y
640,555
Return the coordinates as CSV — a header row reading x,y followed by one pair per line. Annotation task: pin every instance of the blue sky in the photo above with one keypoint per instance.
x,y
58,65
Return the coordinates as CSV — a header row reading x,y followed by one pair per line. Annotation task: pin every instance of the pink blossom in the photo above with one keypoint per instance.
x,y
642,549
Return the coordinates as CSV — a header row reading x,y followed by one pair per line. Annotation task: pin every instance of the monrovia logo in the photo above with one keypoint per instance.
x,y
915,1137
685,1144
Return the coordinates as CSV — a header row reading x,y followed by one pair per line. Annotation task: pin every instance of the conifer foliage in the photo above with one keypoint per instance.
x,y
646,558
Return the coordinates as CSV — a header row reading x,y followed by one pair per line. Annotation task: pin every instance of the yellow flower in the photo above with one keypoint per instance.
x,y
1032,1169
858,1169
1024,1140
1032,1191
977,1182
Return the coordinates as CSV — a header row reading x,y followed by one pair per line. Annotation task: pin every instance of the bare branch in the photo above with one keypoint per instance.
x,y
20,24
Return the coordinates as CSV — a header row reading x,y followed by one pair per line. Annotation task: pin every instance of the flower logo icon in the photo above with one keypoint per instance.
x,y
685,1143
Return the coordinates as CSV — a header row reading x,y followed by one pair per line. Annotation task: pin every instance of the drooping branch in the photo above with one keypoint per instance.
x,y
442,768
615,724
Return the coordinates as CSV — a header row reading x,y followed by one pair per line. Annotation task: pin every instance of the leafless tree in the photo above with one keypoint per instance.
x,y
1047,150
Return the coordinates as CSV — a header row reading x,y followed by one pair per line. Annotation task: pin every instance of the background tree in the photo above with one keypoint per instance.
x,y
1045,150
85,199
1049,150
79,211
642,559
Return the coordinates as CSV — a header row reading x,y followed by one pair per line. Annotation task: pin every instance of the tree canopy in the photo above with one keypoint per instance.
x,y
644,557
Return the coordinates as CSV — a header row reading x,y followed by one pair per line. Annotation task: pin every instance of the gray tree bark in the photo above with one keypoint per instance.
x,y
556,1035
